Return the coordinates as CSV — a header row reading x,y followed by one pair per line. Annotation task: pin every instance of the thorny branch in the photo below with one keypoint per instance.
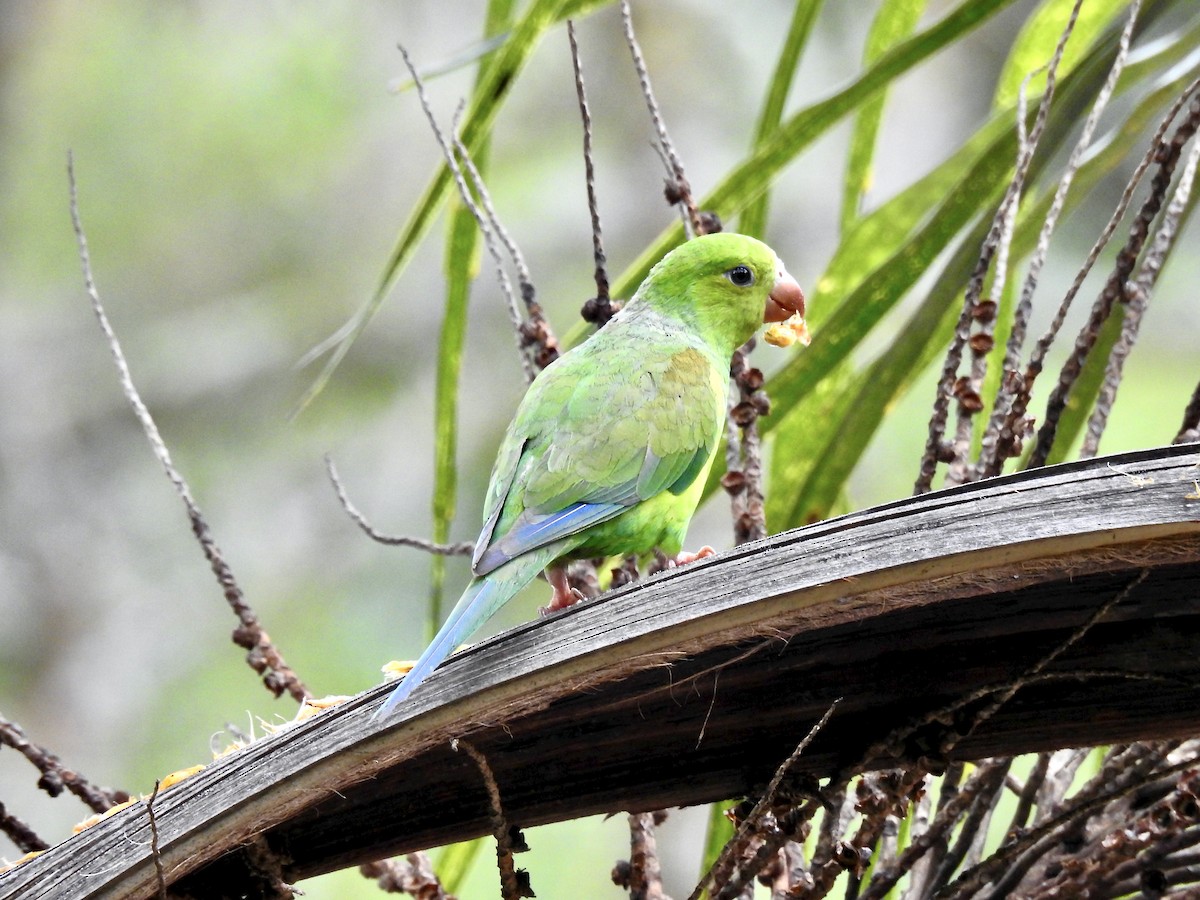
x,y
261,655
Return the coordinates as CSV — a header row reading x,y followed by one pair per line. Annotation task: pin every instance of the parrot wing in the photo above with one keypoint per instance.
x,y
601,433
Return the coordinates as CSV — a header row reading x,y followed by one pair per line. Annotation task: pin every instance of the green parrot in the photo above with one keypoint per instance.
x,y
611,446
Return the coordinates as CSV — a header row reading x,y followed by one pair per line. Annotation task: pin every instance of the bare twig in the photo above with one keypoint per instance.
x,y
1036,840
489,237
55,776
514,882
19,833
1037,358
1139,297
936,449
262,655
1000,439
743,454
678,190
987,784
753,821
414,876
159,874
1189,429
1167,156
1029,791
947,818
537,338
460,549
644,873
599,309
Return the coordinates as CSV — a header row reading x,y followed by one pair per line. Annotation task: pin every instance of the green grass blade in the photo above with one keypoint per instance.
x,y
753,220
462,267
719,832
500,73
893,23
459,60
924,338
455,861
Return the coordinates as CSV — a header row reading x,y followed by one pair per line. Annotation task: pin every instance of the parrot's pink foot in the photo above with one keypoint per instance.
x,y
682,559
564,595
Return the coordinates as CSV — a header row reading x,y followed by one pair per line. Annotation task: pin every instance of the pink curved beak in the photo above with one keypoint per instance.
x,y
785,298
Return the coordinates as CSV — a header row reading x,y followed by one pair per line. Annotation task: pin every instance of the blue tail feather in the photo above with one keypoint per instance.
x,y
479,601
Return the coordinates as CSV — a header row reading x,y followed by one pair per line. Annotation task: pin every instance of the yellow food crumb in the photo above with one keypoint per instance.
x,y
314,705
4,867
788,332
100,817
175,777
397,668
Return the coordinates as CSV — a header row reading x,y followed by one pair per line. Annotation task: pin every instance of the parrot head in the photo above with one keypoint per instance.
x,y
726,285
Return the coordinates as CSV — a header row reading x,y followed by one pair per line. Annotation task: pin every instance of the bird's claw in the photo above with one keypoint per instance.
x,y
564,595
682,559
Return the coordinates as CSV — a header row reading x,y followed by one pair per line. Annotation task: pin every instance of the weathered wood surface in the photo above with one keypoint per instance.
x,y
693,686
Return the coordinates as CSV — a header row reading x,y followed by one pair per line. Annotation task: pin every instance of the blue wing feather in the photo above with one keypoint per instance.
x,y
532,530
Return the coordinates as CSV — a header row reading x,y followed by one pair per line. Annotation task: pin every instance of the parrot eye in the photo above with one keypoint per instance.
x,y
740,276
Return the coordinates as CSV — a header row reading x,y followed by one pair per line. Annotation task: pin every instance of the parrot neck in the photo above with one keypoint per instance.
x,y
682,321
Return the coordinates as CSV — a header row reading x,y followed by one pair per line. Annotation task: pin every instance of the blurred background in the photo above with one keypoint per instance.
x,y
243,172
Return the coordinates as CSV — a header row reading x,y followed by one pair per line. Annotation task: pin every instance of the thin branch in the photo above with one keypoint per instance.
x,y
1139,297
537,337
1028,793
645,873
599,309
1036,840
944,822
55,776
679,191
414,876
262,655
1167,156
489,238
25,838
743,455
936,449
999,439
514,883
754,819
159,874
460,549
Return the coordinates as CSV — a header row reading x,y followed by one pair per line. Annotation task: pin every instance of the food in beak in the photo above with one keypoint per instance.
x,y
785,308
